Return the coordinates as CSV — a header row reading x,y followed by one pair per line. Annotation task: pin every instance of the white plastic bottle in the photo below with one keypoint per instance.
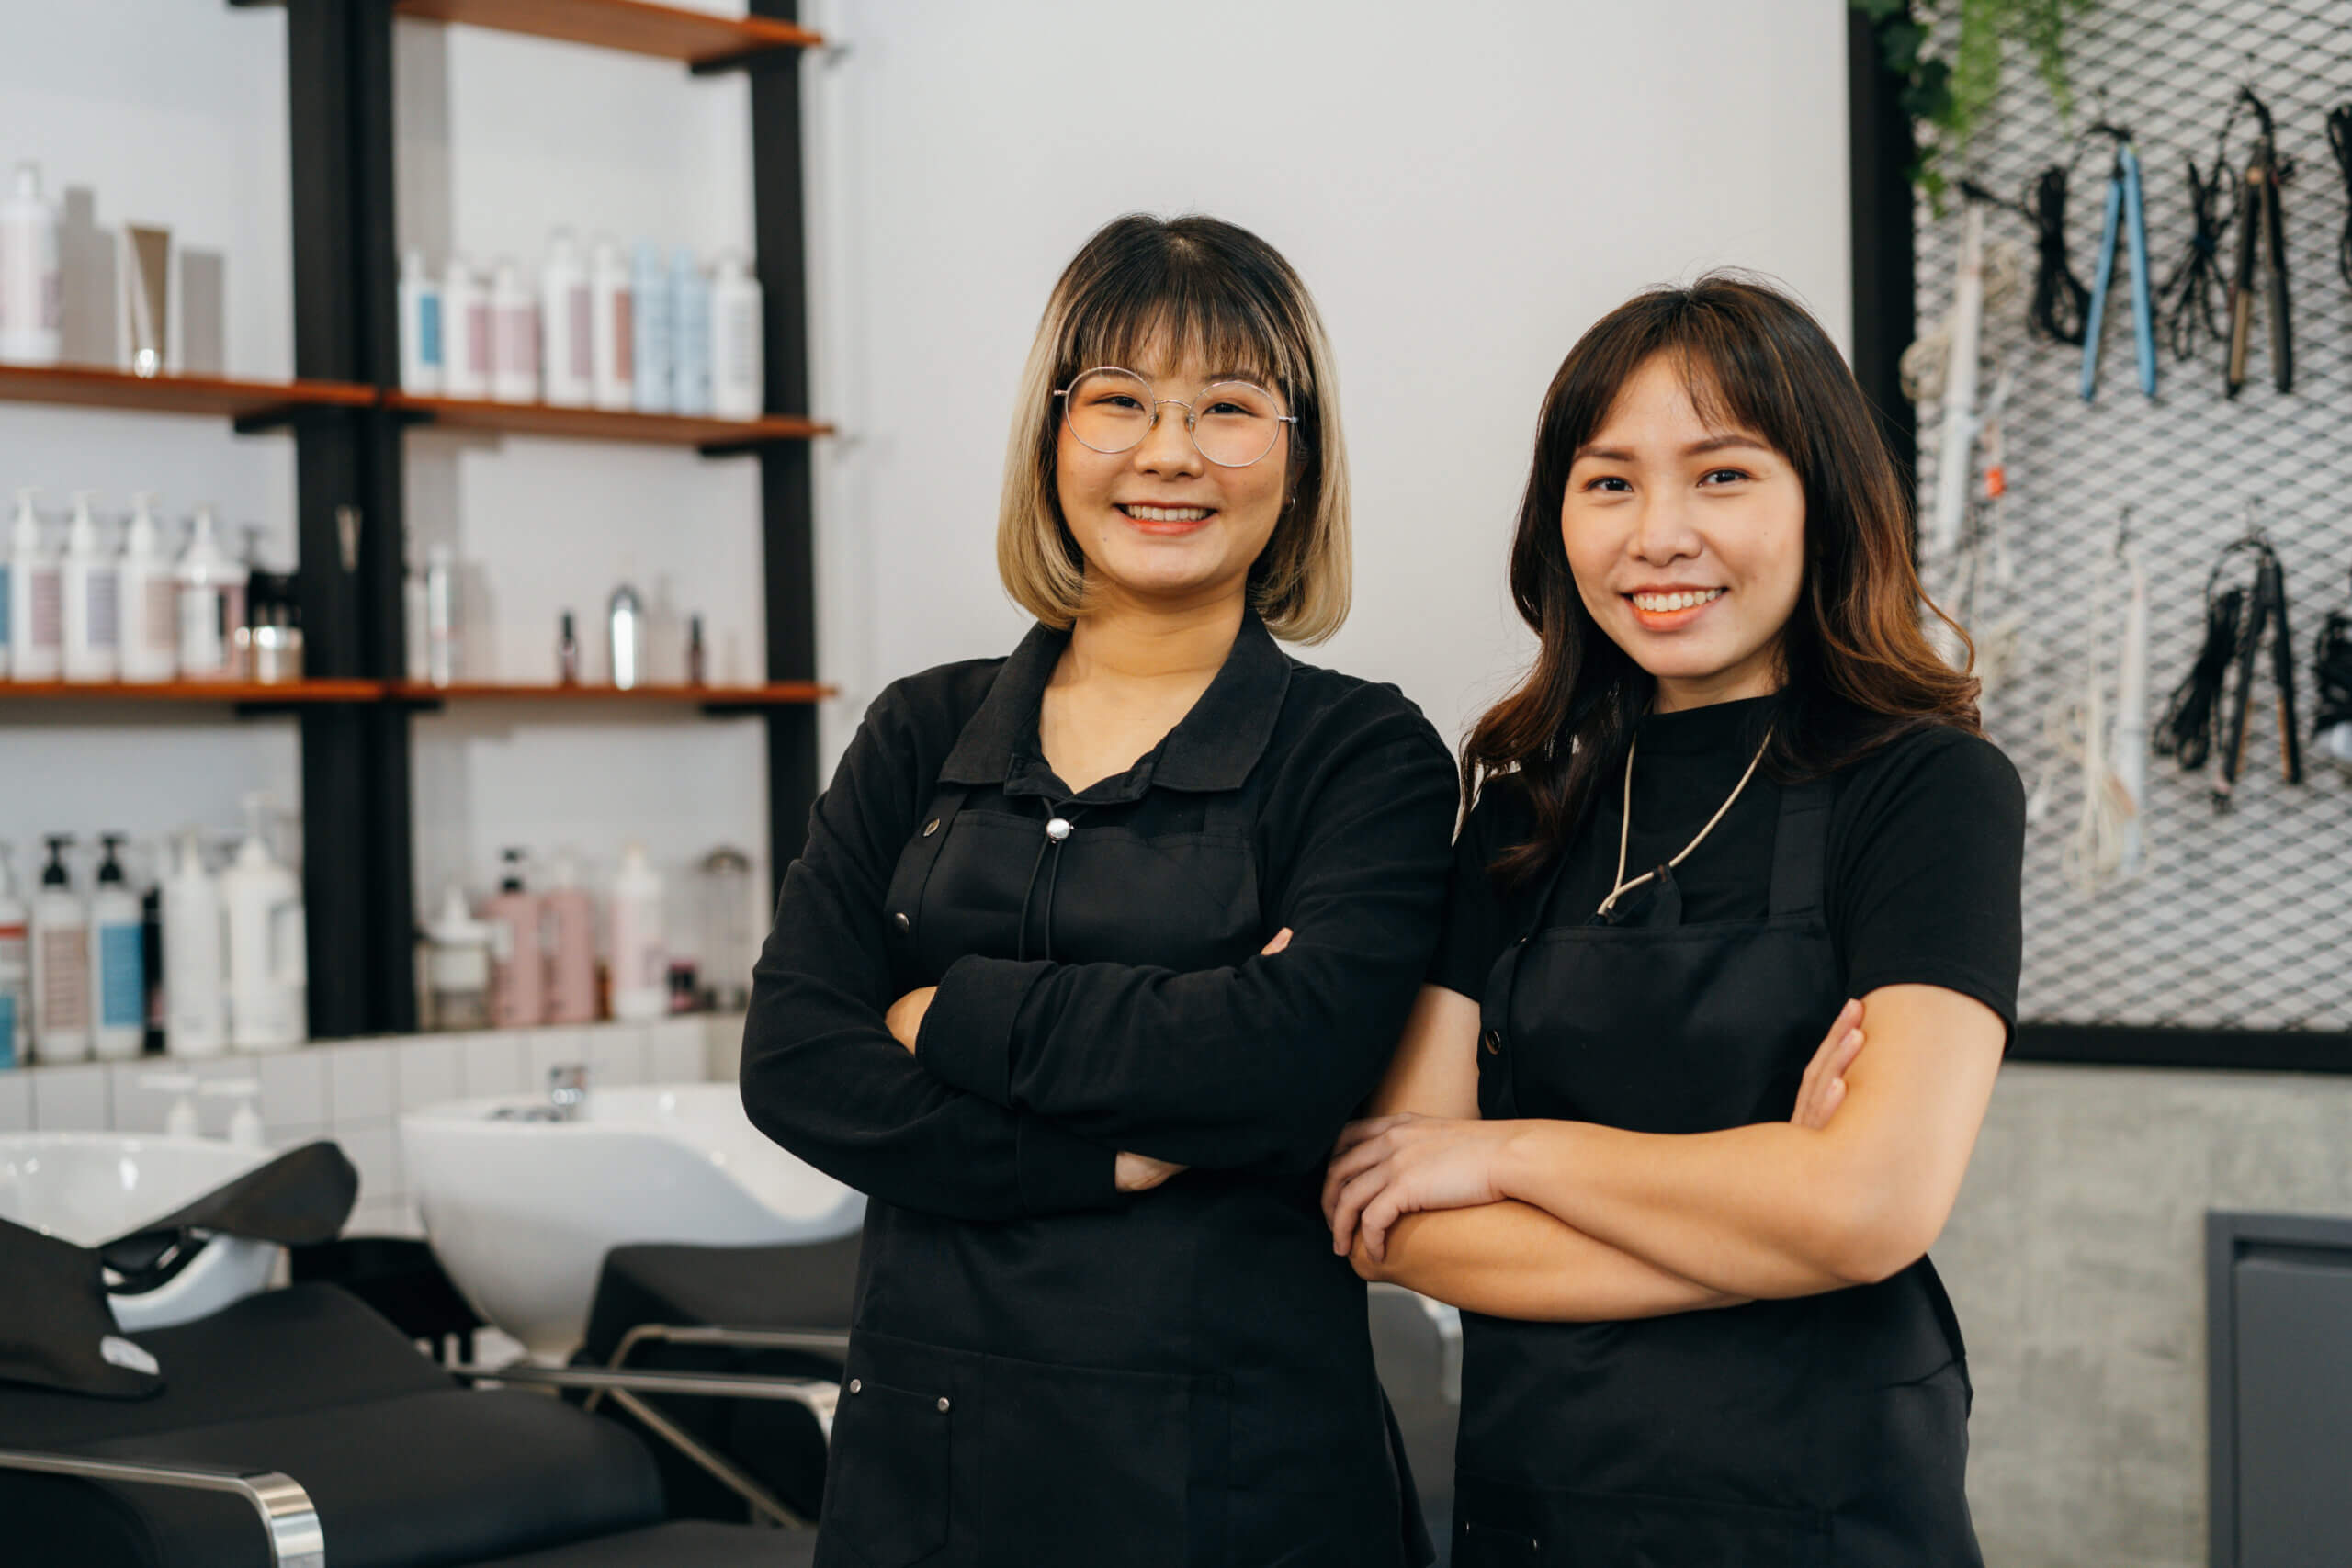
x,y
35,609
515,357
420,327
737,384
690,334
650,305
150,600
570,927
93,588
566,326
518,959
614,340
117,966
61,929
640,960
268,965
466,355
16,969
29,281
196,1003
211,604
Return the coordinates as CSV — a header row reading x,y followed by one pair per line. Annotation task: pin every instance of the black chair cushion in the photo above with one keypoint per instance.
x,y
682,1543
810,1285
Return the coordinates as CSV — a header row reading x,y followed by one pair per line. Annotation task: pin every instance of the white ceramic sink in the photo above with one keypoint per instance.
x,y
89,1187
520,1212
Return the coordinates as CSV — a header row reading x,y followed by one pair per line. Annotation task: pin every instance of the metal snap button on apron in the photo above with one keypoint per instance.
x,y
1057,829
943,1407
901,921
1493,1040
930,827
856,1385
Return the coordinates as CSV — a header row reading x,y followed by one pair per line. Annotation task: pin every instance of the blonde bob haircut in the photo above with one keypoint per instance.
x,y
1181,285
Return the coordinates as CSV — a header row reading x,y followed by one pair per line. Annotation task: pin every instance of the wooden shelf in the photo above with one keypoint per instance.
x,y
697,39
287,691
600,424
774,693
97,387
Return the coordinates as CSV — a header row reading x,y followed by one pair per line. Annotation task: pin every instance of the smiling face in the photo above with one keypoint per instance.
x,y
1687,542
1160,524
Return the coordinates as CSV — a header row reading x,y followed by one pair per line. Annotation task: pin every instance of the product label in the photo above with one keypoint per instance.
x,y
45,608
203,644
122,977
11,1021
65,980
15,955
3,603
103,601
624,338
477,339
578,320
156,615
429,329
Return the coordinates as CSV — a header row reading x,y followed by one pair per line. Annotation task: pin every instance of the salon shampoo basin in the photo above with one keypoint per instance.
x,y
89,1187
521,1207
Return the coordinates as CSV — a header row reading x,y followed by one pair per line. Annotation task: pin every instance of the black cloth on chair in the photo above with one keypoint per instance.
x,y
57,1329
302,1196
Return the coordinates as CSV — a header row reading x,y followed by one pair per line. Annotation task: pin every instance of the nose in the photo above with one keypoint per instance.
x,y
1662,529
1167,447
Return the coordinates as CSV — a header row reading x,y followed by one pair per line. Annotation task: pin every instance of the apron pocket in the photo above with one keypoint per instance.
x,y
886,1492
1481,1545
1086,1468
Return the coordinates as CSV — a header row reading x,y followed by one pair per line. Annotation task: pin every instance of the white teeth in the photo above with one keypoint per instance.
x,y
1665,603
1166,513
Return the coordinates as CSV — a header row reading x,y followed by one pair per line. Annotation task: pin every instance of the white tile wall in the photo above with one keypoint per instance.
x,y
359,1082
15,1103
426,1072
544,1050
71,1099
294,1087
675,1051
493,1064
616,1055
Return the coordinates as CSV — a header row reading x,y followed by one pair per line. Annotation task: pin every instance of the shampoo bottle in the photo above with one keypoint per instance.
x,y
738,388
649,302
34,615
690,334
640,960
614,341
566,326
196,1003
212,604
93,588
420,300
268,967
515,361
518,963
570,916
16,968
30,282
61,963
466,326
118,967
150,600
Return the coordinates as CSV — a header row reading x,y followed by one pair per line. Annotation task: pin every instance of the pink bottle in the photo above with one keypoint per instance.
x,y
570,922
519,962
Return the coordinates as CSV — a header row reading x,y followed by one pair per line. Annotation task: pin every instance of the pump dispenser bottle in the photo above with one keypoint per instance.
x,y
150,600
515,355
30,285
420,302
614,340
565,325
571,946
690,334
212,604
196,1015
651,314
93,591
118,967
60,962
640,959
268,966
16,969
35,609
518,964
466,354
738,387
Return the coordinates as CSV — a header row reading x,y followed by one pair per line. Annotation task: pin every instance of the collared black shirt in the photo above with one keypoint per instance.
x,y
1100,988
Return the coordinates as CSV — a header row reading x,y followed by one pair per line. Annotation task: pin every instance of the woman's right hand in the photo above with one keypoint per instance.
x,y
1141,1173
1823,1089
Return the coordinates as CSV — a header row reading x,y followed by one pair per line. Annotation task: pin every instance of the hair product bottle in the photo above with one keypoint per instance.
x,y
212,604
566,325
420,327
614,341
60,962
515,357
35,615
30,282
738,387
150,600
196,1001
118,966
92,584
268,965
570,916
640,959
466,351
690,334
16,968
518,960
650,308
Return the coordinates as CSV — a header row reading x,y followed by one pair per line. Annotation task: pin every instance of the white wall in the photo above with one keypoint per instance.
x,y
1464,189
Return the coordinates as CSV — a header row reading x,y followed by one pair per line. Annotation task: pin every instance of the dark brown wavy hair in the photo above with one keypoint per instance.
x,y
1857,668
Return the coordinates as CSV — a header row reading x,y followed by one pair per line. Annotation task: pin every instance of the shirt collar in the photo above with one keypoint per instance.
x,y
1213,748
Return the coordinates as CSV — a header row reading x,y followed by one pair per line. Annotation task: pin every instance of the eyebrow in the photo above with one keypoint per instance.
x,y
1696,449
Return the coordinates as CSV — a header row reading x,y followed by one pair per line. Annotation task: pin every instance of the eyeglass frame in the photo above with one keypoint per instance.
x,y
1192,415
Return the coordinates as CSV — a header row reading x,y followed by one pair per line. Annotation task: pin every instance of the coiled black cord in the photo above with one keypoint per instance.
x,y
2339,138
2332,672
2185,732
2061,303
2190,318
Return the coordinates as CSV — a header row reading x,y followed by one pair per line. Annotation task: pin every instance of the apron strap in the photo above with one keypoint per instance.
x,y
1801,849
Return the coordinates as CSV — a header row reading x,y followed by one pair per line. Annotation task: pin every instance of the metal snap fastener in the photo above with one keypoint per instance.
x,y
930,827
901,921
856,1385
1057,829
1493,1043
943,1407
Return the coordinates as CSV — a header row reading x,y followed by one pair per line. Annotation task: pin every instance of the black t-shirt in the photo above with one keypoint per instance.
x,y
1926,838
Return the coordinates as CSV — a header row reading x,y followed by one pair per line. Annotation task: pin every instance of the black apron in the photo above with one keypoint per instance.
x,y
1826,1429
1185,1382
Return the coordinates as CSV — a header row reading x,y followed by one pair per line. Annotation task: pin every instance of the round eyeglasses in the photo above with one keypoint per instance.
x,y
1232,424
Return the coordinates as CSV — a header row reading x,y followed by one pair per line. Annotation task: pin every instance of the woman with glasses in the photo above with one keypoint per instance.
x,y
1092,951
1687,1230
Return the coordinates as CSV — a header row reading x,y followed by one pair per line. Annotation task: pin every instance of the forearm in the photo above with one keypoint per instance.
x,y
1513,1260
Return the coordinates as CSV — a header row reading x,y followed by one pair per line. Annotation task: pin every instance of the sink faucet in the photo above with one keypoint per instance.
x,y
568,1090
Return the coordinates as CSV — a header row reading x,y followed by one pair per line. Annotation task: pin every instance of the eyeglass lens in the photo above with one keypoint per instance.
x,y
1234,422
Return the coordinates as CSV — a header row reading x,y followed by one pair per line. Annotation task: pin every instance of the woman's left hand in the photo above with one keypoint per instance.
x,y
905,1016
1393,1165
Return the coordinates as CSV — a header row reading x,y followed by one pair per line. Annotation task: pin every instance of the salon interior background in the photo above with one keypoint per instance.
x,y
1544,161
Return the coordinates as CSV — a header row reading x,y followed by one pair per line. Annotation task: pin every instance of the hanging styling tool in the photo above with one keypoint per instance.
x,y
2111,747
2189,288
2235,620
1954,469
1978,574
2059,301
2125,214
2332,673
2339,139
2128,754
2262,253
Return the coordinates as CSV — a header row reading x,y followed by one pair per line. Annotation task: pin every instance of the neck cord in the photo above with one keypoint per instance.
x,y
1625,825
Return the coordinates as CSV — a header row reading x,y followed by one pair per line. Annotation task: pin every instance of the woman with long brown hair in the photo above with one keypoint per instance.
x,y
1737,802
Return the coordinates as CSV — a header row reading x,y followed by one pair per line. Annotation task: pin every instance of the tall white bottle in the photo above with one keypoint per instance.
x,y
650,306
150,600
35,608
613,339
196,1002
29,280
61,963
268,966
640,959
514,358
690,334
567,325
118,964
92,589
420,335
16,969
466,348
211,604
737,384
